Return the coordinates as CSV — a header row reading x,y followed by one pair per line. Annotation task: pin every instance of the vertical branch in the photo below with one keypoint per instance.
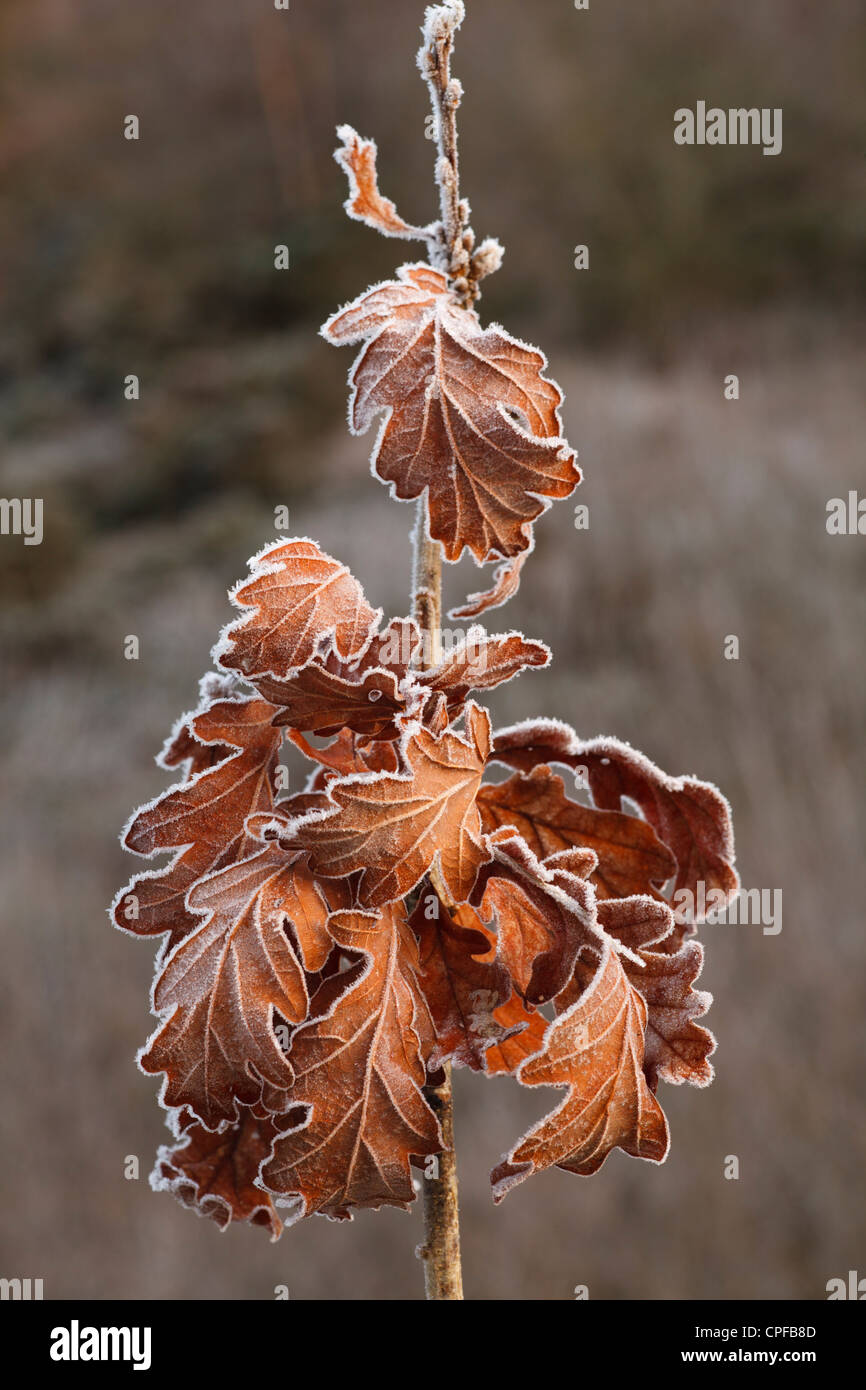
x,y
434,60
443,1275
441,1249
427,588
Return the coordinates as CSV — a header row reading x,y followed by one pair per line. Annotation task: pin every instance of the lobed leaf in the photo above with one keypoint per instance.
x,y
299,599
230,748
469,416
360,1070
594,1048
223,984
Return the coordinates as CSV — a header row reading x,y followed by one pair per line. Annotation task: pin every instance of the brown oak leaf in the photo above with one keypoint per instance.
x,y
526,1029
462,991
469,415
595,1048
677,1048
215,1174
360,1071
325,703
479,662
631,858
542,914
365,203
394,825
231,750
689,816
299,600
364,696
506,582
223,984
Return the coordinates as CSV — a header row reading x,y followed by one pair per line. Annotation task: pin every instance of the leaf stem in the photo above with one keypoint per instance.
x,y
443,1276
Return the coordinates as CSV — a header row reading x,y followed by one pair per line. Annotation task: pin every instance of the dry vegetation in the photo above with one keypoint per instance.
x,y
707,518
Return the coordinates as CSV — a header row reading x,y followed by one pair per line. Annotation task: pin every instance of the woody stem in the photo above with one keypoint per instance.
x,y
441,1250
445,95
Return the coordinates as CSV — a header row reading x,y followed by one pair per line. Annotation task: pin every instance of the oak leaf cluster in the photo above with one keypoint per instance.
x,y
436,892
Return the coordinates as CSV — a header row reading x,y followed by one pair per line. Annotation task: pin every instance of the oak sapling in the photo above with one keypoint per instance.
x,y
330,953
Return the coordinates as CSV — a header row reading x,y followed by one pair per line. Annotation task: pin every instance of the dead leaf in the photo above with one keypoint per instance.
x,y
395,825
220,988
461,990
323,703
677,1048
631,859
691,817
360,1070
231,751
542,916
470,417
506,582
299,600
480,662
365,203
215,1174
595,1048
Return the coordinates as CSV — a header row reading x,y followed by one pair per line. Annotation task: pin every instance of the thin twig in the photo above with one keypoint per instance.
x,y
441,1250
434,60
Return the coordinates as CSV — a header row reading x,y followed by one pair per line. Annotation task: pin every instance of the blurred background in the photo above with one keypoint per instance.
x,y
707,519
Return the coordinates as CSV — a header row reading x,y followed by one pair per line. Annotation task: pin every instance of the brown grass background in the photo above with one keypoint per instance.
x,y
707,519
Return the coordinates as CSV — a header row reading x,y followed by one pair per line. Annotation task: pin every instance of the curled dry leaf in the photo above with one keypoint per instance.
x,y
216,1174
396,825
222,985
462,991
677,1048
689,816
360,1070
631,859
506,582
365,203
231,752
373,695
326,703
542,915
469,415
480,662
299,598
595,1048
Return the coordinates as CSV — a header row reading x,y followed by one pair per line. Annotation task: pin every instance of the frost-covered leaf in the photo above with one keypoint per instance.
x,y
506,582
324,703
480,662
360,1070
689,816
595,1048
677,1048
231,750
631,859
469,415
220,988
215,1173
461,990
525,1028
299,600
365,203
542,915
394,825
